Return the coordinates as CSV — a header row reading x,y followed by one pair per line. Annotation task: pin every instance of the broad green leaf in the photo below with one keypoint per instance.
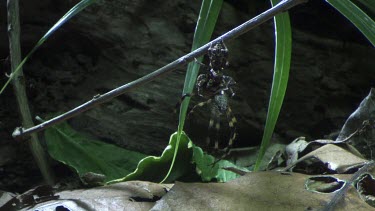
x,y
205,25
154,168
283,50
359,18
88,155
71,13
208,172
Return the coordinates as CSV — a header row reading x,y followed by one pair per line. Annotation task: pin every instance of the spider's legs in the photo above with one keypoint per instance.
x,y
201,104
213,127
198,62
232,121
232,126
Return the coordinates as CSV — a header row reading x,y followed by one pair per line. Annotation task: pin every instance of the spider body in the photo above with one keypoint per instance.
x,y
217,88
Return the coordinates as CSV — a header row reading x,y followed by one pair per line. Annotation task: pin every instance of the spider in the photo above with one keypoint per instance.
x,y
216,87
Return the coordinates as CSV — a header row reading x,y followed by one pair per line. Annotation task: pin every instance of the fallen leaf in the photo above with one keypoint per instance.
x,y
363,141
327,159
134,195
256,191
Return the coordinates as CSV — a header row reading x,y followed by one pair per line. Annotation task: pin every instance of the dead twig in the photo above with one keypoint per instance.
x,y
99,99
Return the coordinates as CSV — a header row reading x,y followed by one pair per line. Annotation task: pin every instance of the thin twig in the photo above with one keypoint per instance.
x,y
99,99
365,125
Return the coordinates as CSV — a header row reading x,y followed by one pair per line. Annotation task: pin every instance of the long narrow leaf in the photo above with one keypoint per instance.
x,y
72,12
359,18
283,37
208,14
205,25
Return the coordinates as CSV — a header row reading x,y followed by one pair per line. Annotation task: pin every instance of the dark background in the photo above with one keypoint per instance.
x,y
114,42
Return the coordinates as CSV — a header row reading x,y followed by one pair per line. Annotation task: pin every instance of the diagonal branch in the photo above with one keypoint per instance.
x,y
99,99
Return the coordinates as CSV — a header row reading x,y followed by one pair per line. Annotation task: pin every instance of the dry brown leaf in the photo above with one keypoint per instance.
x,y
364,115
133,195
256,191
332,157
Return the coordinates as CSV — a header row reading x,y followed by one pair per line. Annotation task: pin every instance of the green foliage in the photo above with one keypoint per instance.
x,y
71,13
117,164
283,50
154,168
205,25
359,18
208,172
88,155
208,14
283,57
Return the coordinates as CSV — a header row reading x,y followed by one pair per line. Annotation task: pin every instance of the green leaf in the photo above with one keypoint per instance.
x,y
359,18
208,15
208,172
283,50
205,25
72,12
154,168
87,155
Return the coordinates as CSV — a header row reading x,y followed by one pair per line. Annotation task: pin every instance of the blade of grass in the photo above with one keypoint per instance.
x,y
205,25
283,37
355,15
71,13
97,100
208,15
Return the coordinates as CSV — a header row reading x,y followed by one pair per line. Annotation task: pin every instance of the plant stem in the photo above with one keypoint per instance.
x,y
99,99
20,90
